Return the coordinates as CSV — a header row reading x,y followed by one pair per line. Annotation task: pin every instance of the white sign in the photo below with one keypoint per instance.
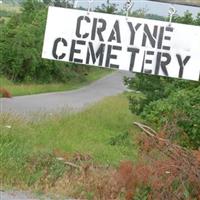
x,y
132,44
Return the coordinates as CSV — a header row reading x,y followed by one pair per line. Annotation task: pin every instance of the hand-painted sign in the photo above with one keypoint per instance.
x,y
113,41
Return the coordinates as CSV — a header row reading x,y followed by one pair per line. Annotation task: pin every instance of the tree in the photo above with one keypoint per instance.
x,y
62,3
107,8
21,41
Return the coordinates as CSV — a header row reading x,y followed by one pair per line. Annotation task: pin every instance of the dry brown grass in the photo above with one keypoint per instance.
x,y
167,169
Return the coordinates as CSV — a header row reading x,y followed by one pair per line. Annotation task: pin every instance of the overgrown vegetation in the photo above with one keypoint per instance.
x,y
83,155
30,87
6,11
171,105
107,8
21,45
60,158
21,40
31,152
164,170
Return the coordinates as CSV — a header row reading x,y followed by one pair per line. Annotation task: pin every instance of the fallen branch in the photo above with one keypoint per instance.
x,y
152,133
72,165
173,151
68,163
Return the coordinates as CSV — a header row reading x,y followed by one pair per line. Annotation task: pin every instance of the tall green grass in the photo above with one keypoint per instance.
x,y
7,10
104,131
10,8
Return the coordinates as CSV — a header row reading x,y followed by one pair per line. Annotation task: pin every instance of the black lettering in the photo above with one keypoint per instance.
x,y
78,27
142,70
133,51
152,38
55,45
133,31
98,30
162,64
169,29
147,61
167,48
160,37
182,64
112,56
74,50
99,53
115,32
151,53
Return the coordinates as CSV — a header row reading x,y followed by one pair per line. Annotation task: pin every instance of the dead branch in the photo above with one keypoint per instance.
x,y
152,133
72,165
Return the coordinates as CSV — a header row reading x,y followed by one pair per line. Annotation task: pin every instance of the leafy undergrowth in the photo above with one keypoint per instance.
x,y
18,89
7,10
171,104
32,153
97,154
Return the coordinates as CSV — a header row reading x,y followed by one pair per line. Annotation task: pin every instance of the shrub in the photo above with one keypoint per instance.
x,y
181,108
154,88
21,40
137,102
169,103
148,88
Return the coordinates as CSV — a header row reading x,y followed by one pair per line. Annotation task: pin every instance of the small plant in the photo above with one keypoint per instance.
x,y
137,102
121,139
45,169
180,113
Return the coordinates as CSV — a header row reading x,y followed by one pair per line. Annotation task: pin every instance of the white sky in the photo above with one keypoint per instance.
x,y
153,7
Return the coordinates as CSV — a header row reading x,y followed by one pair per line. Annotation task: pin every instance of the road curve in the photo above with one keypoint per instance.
x,y
110,85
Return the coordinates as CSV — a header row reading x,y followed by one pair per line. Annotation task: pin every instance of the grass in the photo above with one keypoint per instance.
x,y
104,132
9,8
6,11
35,88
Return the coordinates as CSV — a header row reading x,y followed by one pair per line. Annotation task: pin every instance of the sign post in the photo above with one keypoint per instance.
x,y
124,43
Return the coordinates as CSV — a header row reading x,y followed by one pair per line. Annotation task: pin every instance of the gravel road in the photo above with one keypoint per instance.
x,y
110,85
78,99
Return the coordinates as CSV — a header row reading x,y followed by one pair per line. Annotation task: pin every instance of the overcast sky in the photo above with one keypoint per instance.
x,y
155,8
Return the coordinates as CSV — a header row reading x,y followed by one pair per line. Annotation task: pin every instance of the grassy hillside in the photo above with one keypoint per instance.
x,y
7,10
102,134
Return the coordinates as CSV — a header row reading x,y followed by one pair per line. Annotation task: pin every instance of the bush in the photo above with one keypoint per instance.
x,y
21,41
137,102
169,103
152,87
182,109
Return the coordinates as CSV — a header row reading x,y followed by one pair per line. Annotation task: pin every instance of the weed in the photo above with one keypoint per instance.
x,y
28,88
34,155
121,139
